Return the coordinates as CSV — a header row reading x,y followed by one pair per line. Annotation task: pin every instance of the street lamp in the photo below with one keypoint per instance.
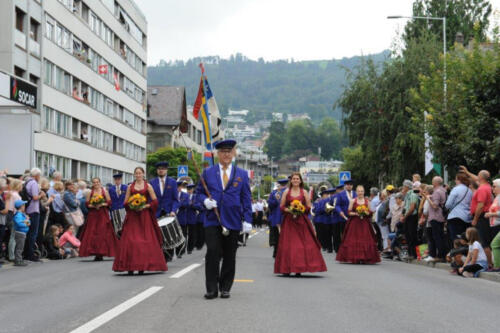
x,y
443,19
445,98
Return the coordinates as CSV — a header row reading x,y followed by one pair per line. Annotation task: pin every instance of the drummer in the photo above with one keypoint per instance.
x,y
166,191
182,213
117,194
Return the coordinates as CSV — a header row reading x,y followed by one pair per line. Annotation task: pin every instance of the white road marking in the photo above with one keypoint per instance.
x,y
185,271
116,311
252,235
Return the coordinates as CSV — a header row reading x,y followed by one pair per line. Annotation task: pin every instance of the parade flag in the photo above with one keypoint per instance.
x,y
117,82
215,118
102,69
198,104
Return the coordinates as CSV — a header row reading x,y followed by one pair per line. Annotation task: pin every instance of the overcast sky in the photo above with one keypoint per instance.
x,y
272,29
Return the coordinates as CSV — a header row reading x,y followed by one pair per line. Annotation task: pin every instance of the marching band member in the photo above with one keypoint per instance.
x,y
275,214
329,222
117,195
166,191
319,217
182,214
191,219
229,188
343,199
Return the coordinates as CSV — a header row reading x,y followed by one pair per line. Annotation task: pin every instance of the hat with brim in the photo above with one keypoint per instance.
x,y
349,182
190,186
339,187
331,190
117,175
181,183
161,164
19,203
225,144
283,181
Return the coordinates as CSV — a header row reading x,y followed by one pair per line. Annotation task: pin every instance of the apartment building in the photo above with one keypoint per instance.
x,y
88,60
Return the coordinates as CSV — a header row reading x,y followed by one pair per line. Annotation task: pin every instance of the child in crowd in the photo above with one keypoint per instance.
x,y
458,254
21,228
69,243
51,242
476,261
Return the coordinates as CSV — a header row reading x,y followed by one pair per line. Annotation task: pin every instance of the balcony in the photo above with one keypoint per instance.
x,y
20,39
34,48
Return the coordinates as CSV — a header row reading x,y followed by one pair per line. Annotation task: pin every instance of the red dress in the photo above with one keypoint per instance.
x,y
299,250
98,237
358,244
141,239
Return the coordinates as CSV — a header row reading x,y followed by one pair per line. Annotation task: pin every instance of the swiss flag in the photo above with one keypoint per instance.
x,y
102,69
117,82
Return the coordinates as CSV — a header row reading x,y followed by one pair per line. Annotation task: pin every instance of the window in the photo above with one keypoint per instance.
x,y
19,71
59,35
20,19
66,40
34,25
34,79
49,73
49,27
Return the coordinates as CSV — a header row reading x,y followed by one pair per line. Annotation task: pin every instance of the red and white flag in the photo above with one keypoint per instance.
x,y
117,82
102,69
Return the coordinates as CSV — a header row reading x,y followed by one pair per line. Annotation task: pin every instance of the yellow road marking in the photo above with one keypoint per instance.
x,y
247,281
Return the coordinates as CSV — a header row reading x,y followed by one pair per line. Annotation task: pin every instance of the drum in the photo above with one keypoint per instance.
x,y
118,217
172,232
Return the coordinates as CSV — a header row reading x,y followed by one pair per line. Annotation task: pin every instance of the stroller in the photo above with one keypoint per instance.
x,y
399,245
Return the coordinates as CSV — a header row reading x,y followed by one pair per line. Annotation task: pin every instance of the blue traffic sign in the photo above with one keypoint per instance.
x,y
344,176
182,171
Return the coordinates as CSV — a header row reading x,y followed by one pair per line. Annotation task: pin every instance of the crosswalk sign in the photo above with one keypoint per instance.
x,y
344,176
182,171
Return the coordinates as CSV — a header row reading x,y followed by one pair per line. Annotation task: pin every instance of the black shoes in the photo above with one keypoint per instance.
x,y
20,263
210,295
130,273
225,294
141,272
98,258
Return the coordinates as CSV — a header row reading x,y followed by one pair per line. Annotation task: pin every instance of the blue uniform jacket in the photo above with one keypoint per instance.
x,y
182,213
168,202
343,204
234,202
117,200
273,203
320,215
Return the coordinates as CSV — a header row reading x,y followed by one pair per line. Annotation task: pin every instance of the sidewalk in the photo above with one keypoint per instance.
x,y
491,276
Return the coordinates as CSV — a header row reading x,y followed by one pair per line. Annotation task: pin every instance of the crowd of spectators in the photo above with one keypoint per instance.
x,y
436,223
32,217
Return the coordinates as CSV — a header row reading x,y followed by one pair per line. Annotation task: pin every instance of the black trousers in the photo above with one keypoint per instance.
x,y
328,237
411,226
439,238
191,234
219,247
274,237
338,231
319,227
200,236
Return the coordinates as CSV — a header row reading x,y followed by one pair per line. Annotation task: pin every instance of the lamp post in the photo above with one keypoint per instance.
x,y
445,98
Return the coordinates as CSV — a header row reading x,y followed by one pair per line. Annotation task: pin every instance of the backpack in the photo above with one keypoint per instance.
x,y
24,193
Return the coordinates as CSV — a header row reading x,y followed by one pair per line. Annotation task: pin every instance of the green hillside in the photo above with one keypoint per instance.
x,y
264,87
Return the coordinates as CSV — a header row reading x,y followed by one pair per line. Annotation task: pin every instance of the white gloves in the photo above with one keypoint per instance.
x,y
210,203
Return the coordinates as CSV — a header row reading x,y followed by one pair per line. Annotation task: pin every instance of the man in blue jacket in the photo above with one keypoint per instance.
x,y
328,223
275,216
319,218
342,206
117,194
166,191
229,188
191,218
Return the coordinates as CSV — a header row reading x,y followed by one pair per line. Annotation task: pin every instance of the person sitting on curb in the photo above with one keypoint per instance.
x,y
476,261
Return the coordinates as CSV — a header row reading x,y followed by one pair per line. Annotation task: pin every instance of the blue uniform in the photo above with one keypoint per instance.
x,y
117,200
168,202
343,204
184,203
234,202
273,203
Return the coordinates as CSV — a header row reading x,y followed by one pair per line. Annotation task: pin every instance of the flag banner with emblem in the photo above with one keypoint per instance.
x,y
215,118
102,69
200,108
117,81
198,104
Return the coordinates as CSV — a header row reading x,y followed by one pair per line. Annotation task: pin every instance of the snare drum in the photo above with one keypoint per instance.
x,y
172,232
118,217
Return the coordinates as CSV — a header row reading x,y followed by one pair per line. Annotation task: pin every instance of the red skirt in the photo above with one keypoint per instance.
x,y
98,236
298,249
358,244
140,244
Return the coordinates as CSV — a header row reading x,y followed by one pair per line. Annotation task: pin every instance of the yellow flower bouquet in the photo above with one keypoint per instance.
x,y
362,211
296,208
137,202
97,199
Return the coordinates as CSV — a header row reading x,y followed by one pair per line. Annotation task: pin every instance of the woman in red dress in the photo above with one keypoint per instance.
x,y
141,240
98,237
359,245
299,249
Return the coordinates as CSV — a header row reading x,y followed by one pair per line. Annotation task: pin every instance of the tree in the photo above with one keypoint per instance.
x,y
329,137
469,17
467,132
300,135
175,157
274,143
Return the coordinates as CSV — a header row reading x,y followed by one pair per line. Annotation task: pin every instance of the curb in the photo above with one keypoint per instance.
x,y
491,276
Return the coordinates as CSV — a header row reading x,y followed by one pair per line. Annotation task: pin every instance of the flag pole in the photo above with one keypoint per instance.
x,y
202,67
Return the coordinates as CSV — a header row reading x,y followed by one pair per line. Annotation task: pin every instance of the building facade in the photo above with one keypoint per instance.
x,y
88,59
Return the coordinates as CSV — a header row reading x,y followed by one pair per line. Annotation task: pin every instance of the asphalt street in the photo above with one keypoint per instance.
x,y
78,295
